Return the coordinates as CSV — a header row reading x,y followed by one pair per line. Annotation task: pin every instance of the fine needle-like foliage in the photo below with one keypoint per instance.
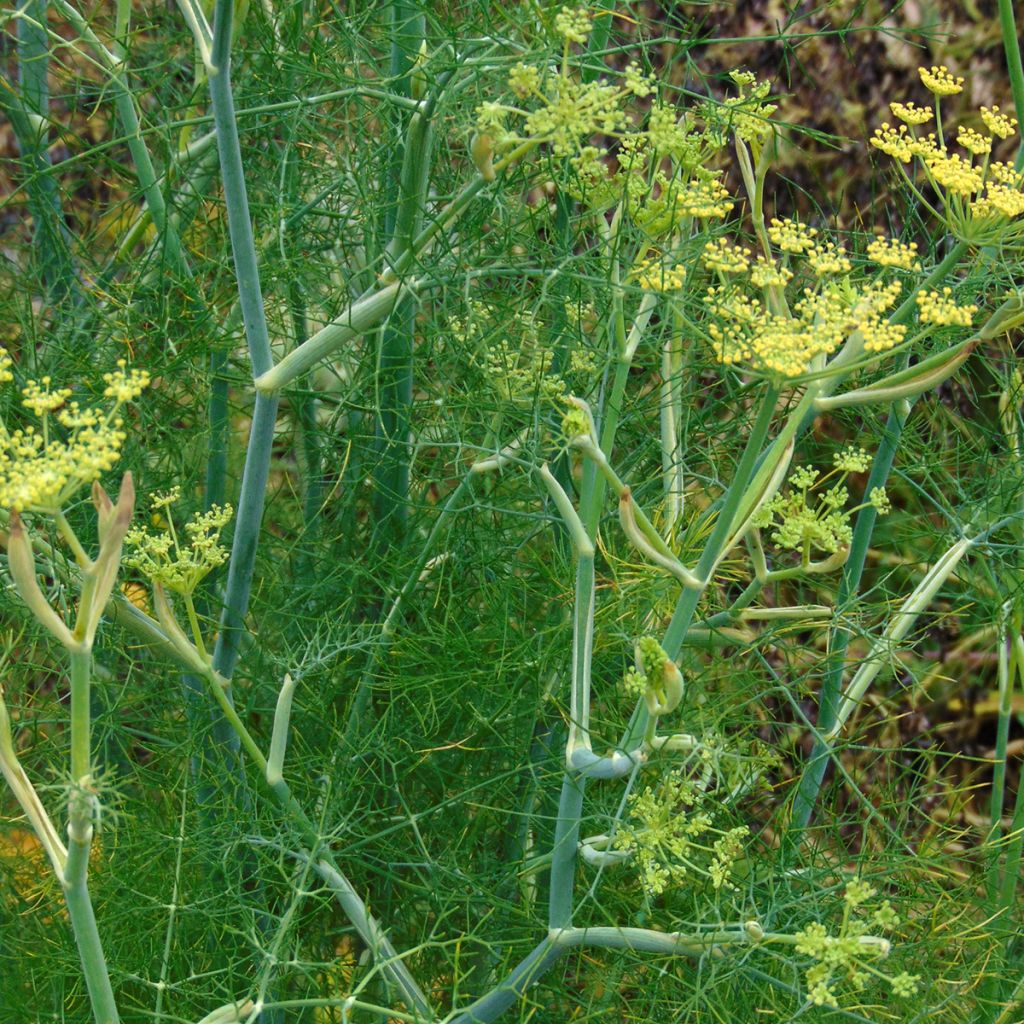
x,y
546,541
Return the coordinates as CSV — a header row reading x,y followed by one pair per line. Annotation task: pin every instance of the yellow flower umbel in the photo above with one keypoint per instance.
x,y
657,171
813,517
674,840
173,564
850,958
981,201
44,464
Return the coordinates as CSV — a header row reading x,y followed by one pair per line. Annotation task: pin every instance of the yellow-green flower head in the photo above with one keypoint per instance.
x,y
974,142
828,258
725,258
894,142
997,123
893,253
5,367
125,385
576,111
955,174
39,398
573,24
664,132
999,200
524,80
940,82
791,236
850,957
657,276
636,82
910,114
575,423
749,114
935,307
41,467
704,198
673,841
164,559
770,275
1004,173
851,460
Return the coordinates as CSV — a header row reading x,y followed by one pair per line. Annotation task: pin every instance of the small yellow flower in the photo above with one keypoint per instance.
x,y
707,199
524,80
955,174
828,258
879,335
939,308
767,275
894,142
573,25
727,259
911,114
656,276
39,399
940,82
998,124
1004,173
125,385
791,236
999,199
893,253
974,142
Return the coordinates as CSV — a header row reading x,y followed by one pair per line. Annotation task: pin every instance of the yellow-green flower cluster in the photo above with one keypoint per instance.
x,y
890,252
749,113
658,276
518,365
675,841
850,957
940,308
746,330
940,82
43,465
565,113
164,559
655,677
812,517
722,256
981,200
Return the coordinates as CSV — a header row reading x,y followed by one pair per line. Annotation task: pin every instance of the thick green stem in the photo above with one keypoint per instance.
x,y
1011,46
83,923
81,804
682,617
514,986
81,717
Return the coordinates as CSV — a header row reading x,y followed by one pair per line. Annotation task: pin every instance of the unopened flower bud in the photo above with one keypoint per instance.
x,y
481,149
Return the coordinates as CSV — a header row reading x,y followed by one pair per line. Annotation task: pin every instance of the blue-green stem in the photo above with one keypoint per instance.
x,y
243,248
513,987
81,716
567,825
395,368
